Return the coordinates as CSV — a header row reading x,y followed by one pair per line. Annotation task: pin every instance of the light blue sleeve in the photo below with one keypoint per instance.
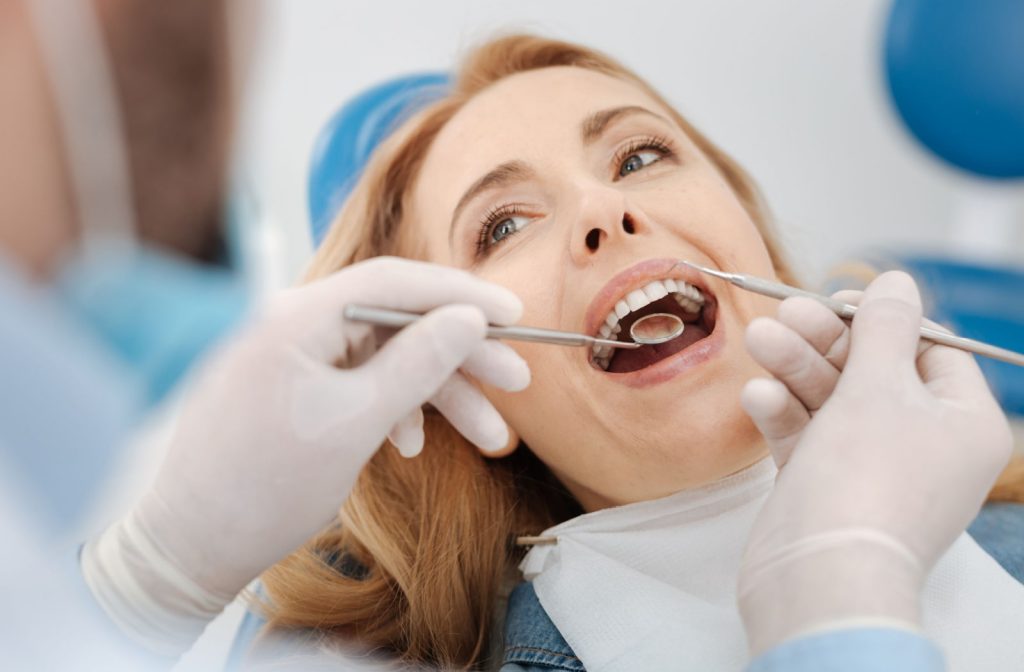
x,y
854,650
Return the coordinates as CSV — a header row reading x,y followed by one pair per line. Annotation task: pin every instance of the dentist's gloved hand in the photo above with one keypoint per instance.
x,y
280,423
886,448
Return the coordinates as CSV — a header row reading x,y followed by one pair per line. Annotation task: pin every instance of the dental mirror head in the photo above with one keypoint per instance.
x,y
656,328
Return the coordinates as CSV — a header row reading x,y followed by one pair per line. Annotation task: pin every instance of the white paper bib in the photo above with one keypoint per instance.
x,y
652,586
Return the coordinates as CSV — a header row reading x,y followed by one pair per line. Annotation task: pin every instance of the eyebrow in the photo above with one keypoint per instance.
x,y
508,173
596,124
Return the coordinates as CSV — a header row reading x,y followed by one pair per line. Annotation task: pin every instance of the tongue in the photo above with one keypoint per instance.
x,y
625,361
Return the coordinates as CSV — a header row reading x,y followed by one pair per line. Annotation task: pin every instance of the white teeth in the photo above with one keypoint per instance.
x,y
691,292
637,299
656,290
688,304
687,296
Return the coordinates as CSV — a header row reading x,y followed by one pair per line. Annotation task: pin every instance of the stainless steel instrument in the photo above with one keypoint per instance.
x,y
396,318
846,311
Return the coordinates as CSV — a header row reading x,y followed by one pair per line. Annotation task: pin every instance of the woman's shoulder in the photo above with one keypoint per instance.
x,y
999,529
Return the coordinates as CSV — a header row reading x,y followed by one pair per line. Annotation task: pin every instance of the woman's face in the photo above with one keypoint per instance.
x,y
577,191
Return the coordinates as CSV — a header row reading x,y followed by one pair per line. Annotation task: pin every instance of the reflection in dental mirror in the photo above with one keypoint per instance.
x,y
656,328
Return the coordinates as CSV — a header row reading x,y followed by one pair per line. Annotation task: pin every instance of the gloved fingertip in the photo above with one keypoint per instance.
x,y
525,378
515,375
760,326
460,327
496,364
750,396
410,444
509,308
410,452
894,285
762,397
886,330
493,441
464,314
761,335
407,435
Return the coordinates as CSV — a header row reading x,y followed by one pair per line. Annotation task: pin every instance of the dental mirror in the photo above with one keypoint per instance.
x,y
656,328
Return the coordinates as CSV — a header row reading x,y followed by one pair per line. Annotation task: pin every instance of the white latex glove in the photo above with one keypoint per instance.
x,y
282,420
886,447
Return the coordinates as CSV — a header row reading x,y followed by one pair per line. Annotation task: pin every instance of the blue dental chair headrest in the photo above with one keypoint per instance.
x,y
348,139
955,70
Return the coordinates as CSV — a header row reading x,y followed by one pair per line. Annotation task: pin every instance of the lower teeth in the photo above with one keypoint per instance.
x,y
603,359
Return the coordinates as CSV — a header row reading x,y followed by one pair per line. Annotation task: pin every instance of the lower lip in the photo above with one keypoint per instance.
x,y
678,364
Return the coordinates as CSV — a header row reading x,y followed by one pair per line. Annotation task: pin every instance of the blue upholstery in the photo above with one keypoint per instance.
x,y
348,139
982,302
999,529
976,300
955,69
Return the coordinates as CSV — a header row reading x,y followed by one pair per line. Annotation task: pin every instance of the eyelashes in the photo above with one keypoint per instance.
x,y
496,219
652,143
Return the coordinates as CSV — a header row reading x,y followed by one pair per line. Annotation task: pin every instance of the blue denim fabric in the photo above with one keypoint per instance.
x,y
999,529
533,643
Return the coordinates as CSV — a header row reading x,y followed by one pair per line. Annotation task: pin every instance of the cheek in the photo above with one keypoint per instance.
x,y
715,222
542,414
435,245
741,243
534,270
535,279
705,210
745,252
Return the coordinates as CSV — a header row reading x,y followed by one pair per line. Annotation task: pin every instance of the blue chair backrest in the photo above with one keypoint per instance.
x,y
352,134
955,70
980,301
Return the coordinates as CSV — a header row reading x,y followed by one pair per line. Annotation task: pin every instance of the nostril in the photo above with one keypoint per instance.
x,y
593,239
627,224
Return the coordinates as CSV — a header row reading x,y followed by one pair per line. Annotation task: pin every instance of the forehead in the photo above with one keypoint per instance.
x,y
527,117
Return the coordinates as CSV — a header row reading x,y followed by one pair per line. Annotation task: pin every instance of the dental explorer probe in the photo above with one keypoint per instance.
x,y
846,311
396,318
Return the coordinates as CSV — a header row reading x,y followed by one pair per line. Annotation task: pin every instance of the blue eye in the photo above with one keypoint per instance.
x,y
507,227
501,224
638,161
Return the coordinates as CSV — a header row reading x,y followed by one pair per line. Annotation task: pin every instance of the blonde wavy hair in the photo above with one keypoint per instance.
x,y
423,551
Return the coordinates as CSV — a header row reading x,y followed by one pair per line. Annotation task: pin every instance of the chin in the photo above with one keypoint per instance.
x,y
691,430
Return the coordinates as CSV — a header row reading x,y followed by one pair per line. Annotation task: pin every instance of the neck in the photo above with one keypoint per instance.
x,y
592,500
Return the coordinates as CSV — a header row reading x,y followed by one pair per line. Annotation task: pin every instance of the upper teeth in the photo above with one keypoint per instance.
x,y
686,295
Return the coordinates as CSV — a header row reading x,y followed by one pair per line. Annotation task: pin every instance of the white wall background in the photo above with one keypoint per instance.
x,y
792,88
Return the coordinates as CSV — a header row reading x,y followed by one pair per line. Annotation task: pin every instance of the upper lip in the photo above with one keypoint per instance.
x,y
635,277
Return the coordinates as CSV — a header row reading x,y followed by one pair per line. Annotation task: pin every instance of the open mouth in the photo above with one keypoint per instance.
x,y
696,307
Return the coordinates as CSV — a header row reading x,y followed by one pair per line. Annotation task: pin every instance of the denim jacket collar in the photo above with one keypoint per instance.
x,y
531,639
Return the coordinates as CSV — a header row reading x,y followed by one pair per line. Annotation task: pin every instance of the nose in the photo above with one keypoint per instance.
x,y
603,218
